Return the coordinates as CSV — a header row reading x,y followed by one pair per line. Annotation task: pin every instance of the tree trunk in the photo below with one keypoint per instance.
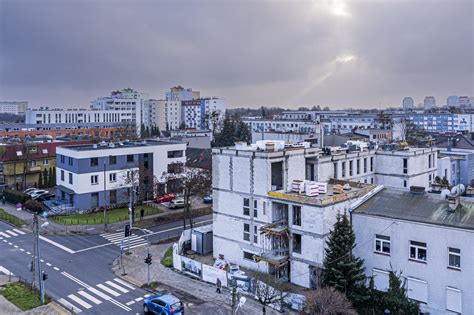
x,y
264,310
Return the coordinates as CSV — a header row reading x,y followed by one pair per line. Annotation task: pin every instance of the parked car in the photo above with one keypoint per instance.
x,y
33,191
165,198
46,196
207,199
27,191
163,304
37,193
176,203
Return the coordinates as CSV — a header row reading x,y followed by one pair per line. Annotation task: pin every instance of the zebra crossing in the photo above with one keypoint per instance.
x,y
91,296
123,242
11,233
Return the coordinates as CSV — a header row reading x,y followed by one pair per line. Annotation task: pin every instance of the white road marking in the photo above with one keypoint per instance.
x,y
10,243
42,260
124,283
5,271
64,248
75,279
79,301
28,253
48,264
138,299
5,241
147,295
128,309
108,290
19,231
98,293
16,246
4,235
69,306
130,303
22,249
116,286
56,268
11,233
89,297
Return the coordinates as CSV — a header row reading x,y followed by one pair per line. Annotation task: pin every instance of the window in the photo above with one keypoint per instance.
x,y
335,170
297,243
405,166
255,234
454,258
112,160
62,175
404,183
453,300
429,160
365,165
246,232
113,197
130,158
70,161
382,244
350,167
94,200
33,163
45,151
45,162
175,154
94,179
246,206
70,178
255,208
417,251
94,161
343,172
62,158
372,164
113,177
19,153
358,166
248,256
297,215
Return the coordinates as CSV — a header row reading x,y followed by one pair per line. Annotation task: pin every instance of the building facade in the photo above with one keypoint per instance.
x,y
14,108
92,176
407,103
429,102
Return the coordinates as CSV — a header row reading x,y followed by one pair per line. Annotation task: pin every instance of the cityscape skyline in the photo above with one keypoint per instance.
x,y
251,54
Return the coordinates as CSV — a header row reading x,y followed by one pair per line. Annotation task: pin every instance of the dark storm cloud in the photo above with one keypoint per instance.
x,y
288,53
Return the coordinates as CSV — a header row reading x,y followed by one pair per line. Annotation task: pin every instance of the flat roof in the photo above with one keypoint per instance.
x,y
119,145
425,208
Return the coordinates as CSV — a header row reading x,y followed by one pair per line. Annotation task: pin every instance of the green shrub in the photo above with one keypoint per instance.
x,y
15,196
167,260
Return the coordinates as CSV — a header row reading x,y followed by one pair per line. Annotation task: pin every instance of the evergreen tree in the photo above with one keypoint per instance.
x,y
243,132
396,299
40,180
45,178
226,136
52,177
342,270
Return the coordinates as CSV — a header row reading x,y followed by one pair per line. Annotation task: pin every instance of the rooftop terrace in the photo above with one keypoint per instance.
x,y
119,145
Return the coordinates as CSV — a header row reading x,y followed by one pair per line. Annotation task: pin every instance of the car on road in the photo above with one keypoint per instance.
x,y
29,190
165,198
38,193
176,203
207,199
163,304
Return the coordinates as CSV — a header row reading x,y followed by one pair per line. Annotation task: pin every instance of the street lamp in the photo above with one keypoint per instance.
x,y
105,198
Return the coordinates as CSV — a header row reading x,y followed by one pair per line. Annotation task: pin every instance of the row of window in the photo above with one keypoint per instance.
x,y
94,178
34,163
417,251
358,169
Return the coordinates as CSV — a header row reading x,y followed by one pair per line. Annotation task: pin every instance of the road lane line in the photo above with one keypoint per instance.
x,y
108,290
79,301
64,248
116,286
130,303
135,246
5,271
69,306
93,247
98,293
10,243
28,253
11,233
22,249
138,299
89,297
124,283
48,264
56,268
75,279
4,235
19,231
128,309
16,246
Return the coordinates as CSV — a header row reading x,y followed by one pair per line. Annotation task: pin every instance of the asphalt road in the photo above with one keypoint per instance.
x,y
79,266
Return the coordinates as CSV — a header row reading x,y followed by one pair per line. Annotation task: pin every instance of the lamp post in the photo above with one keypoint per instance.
x,y
105,198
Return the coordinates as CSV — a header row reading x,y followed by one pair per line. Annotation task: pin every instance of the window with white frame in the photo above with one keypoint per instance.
x,y
255,234
454,257
45,162
94,179
255,208
382,244
113,177
297,215
246,232
453,300
418,251
246,206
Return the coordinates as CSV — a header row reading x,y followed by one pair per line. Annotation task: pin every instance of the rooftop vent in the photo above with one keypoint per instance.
x,y
453,203
111,145
94,146
417,190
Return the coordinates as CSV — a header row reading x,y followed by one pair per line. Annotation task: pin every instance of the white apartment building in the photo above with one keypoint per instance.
x,y
426,238
407,103
14,108
259,223
429,102
43,116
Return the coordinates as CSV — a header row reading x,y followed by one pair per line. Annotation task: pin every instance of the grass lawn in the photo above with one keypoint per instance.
x,y
22,296
167,260
113,216
4,216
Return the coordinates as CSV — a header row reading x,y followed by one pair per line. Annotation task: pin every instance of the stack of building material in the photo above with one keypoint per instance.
x,y
297,186
322,187
337,189
311,189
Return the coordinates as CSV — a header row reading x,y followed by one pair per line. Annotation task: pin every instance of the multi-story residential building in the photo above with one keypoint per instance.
x,y
342,124
14,108
425,237
90,176
21,164
178,93
442,122
457,166
407,103
464,101
203,114
452,101
429,102
261,224
172,115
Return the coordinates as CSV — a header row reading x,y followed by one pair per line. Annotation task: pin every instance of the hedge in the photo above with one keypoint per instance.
x,y
15,196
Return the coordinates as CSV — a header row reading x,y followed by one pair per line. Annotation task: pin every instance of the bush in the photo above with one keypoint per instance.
x,y
167,260
34,206
15,196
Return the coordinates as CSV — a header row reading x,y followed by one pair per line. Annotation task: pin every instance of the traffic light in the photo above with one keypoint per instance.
x,y
148,259
127,230
45,276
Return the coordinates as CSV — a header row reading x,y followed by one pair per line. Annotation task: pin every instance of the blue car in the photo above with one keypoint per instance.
x,y
207,199
163,304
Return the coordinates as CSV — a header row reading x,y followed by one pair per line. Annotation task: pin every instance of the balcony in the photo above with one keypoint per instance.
x,y
33,169
278,257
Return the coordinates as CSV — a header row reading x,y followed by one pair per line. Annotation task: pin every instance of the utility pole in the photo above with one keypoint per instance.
x,y
38,259
105,199
234,300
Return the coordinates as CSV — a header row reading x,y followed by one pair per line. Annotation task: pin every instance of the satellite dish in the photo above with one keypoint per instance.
x,y
454,190
445,193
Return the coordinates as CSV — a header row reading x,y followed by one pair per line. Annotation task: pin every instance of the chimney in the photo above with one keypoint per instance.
x,y
453,203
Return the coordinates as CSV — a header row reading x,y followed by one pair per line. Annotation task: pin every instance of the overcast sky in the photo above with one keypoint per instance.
x,y
337,53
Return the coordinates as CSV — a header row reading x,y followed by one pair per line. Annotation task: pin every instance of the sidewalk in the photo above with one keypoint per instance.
x,y
179,284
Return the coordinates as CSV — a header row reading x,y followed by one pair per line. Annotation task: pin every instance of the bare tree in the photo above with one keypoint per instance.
x,y
191,181
327,301
269,290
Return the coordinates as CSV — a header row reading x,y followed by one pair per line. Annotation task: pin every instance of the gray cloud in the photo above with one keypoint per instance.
x,y
287,53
